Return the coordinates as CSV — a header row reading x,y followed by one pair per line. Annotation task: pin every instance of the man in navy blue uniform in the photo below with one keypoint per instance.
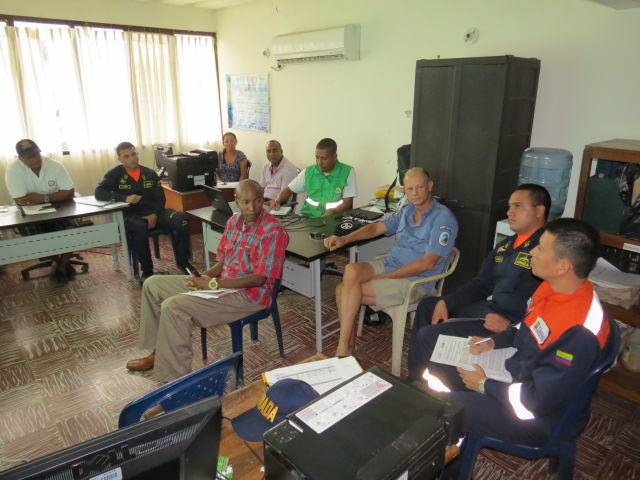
x,y
497,296
140,187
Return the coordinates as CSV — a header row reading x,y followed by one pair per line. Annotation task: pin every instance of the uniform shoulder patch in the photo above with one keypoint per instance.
x,y
563,357
445,235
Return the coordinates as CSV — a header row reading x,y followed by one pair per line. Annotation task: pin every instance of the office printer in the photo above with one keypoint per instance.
x,y
373,427
189,171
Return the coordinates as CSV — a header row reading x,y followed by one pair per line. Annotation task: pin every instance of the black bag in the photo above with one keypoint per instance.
x,y
404,158
373,318
630,225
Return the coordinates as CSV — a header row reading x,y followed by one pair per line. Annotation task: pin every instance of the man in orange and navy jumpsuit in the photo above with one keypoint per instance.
x,y
558,343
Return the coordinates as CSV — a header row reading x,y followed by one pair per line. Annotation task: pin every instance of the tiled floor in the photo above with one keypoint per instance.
x,y
63,381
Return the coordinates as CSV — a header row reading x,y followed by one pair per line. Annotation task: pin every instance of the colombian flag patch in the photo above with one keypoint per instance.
x,y
563,357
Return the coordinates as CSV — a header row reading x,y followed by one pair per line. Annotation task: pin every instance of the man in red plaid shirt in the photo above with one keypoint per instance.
x,y
250,258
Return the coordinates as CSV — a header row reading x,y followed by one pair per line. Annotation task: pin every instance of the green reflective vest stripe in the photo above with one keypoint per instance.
x,y
323,189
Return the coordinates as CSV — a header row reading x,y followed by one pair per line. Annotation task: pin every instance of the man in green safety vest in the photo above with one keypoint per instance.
x,y
330,185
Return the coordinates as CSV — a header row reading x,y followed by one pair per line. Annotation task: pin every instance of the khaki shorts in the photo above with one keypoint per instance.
x,y
391,291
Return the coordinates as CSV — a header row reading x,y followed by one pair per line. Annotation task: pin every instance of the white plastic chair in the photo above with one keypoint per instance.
x,y
399,313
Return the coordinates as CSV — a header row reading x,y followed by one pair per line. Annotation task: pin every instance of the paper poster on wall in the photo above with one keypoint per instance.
x,y
248,101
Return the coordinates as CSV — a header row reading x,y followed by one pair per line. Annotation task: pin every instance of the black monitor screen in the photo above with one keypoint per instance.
x,y
160,152
181,444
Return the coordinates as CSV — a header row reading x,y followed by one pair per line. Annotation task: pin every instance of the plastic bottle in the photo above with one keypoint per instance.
x,y
551,168
631,352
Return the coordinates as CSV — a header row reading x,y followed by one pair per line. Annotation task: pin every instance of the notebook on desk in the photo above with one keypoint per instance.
x,y
284,210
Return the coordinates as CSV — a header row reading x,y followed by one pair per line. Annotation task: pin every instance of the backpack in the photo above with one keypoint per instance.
x,y
404,158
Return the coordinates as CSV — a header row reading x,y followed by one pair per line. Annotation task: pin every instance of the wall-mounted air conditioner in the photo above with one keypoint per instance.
x,y
339,43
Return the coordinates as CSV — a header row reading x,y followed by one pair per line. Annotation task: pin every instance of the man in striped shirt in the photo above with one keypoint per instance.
x,y
250,258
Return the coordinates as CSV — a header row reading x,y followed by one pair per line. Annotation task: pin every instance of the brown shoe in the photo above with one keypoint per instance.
x,y
142,364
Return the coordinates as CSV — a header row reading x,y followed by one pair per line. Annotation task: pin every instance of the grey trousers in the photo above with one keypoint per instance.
x,y
167,320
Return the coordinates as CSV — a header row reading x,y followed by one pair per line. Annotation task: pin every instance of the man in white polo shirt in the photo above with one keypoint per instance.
x,y
33,179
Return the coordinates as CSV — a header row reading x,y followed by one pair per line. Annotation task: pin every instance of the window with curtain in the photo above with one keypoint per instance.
x,y
83,90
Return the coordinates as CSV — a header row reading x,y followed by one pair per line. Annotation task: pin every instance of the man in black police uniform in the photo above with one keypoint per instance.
x,y
497,297
140,187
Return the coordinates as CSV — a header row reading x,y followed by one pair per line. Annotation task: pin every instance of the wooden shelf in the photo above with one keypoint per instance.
x,y
620,380
630,316
185,201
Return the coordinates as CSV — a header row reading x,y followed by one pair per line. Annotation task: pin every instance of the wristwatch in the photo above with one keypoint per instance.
x,y
481,385
45,199
213,284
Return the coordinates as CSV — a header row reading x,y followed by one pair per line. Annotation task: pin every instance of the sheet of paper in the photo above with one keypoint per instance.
x,y
227,185
221,292
91,200
322,375
451,350
607,275
37,209
345,400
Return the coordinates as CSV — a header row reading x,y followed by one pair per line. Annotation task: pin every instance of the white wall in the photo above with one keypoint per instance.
x,y
122,12
588,88
588,84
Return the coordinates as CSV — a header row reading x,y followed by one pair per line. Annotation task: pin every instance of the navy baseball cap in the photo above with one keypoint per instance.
x,y
26,148
281,399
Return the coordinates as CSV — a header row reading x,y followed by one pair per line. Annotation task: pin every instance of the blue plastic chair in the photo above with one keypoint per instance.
x,y
203,383
153,234
561,447
251,320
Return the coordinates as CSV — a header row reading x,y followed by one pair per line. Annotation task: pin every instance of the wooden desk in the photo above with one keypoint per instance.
x,y
245,464
228,190
184,201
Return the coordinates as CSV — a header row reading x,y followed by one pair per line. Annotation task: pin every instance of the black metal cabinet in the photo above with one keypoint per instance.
x,y
472,120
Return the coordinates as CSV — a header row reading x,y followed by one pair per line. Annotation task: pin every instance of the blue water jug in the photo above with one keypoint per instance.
x,y
551,168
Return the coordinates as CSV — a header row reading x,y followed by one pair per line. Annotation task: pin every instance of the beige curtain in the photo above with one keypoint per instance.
x,y
84,90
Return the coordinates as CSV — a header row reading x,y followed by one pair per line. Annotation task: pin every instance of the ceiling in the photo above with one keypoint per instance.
x,y
210,4
215,4
619,4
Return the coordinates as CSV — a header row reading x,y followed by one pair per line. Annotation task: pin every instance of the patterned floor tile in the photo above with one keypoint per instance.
x,y
38,444
63,352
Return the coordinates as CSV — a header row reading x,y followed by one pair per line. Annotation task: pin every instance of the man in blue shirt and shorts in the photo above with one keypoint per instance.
x,y
425,235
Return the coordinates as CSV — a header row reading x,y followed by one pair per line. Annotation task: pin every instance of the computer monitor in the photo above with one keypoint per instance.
x,y
181,444
160,152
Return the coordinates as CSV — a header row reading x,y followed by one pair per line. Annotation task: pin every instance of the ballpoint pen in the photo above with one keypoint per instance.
x,y
478,342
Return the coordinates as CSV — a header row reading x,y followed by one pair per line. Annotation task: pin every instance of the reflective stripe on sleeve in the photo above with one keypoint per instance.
x,y
595,316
